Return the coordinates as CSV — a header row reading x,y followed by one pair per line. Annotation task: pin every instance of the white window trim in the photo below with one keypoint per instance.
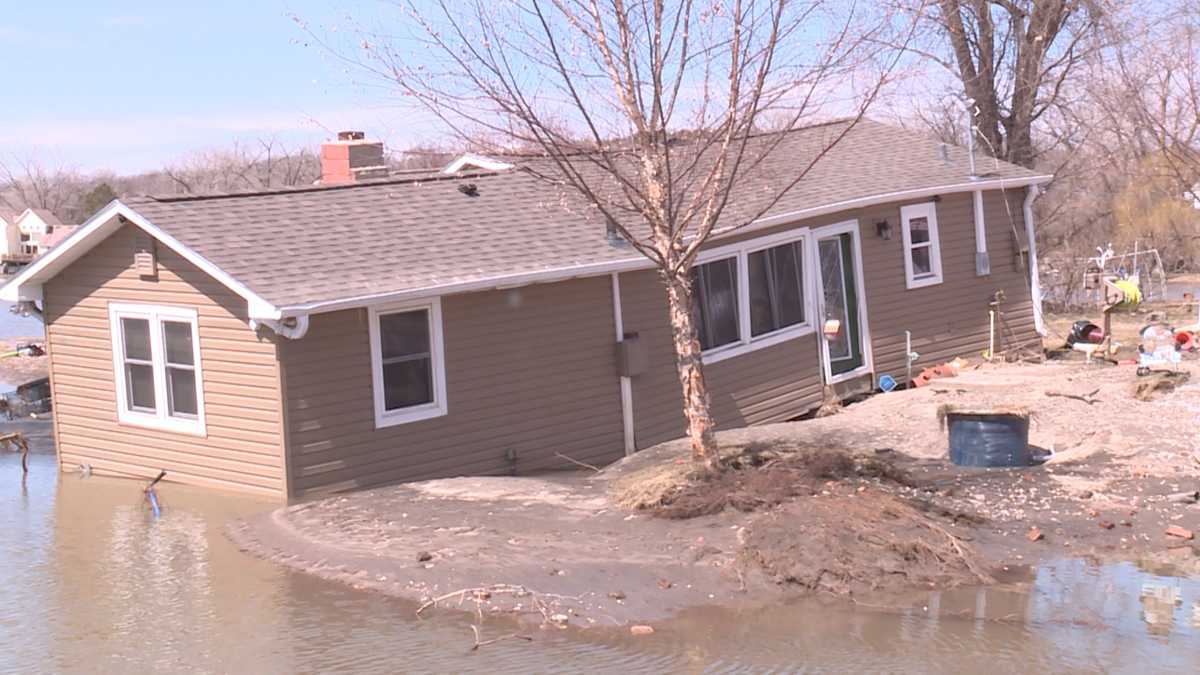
x,y
741,251
927,210
387,418
161,418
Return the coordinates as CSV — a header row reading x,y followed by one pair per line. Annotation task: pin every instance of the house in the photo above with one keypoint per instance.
x,y
28,235
311,340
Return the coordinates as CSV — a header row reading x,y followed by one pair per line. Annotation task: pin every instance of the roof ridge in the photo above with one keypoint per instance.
x,y
431,176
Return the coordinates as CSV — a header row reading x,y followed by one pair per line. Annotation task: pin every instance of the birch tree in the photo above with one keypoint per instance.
x,y
645,114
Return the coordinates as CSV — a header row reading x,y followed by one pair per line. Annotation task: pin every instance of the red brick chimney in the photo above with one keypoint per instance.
x,y
351,158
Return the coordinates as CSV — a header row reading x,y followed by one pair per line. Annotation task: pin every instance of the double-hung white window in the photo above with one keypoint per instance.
x,y
750,295
156,363
922,252
408,364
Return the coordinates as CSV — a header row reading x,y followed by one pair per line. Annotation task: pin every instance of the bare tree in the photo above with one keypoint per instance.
x,y
646,114
28,183
1012,58
261,165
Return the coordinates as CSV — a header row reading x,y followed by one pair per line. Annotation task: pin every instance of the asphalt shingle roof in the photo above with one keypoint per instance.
x,y
299,247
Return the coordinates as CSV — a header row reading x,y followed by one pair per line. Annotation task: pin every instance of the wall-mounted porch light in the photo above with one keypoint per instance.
x,y
884,229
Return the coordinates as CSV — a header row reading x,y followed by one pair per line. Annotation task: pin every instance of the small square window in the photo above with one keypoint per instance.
x,y
409,370
922,250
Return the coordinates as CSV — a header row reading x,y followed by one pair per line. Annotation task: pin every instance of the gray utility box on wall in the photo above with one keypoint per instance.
x,y
631,356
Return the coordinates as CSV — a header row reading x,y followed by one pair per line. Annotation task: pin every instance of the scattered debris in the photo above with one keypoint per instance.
x,y
152,494
424,556
1034,534
1088,398
481,643
1184,497
1106,524
1180,532
617,595
1159,381
17,439
641,630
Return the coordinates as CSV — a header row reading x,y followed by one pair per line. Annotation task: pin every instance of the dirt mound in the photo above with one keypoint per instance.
x,y
759,477
756,476
848,543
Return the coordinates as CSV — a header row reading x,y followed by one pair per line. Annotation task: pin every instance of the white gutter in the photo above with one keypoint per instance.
x,y
292,328
1035,286
640,262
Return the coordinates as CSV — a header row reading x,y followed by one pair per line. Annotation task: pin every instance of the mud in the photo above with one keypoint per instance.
x,y
776,528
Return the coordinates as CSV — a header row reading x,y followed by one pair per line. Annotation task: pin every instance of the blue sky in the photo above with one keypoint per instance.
x,y
133,85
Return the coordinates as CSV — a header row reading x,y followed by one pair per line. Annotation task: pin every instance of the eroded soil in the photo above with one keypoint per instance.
x,y
559,549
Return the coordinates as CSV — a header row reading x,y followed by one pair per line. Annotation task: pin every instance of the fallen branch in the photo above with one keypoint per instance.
x,y
511,636
577,462
18,439
958,548
1088,398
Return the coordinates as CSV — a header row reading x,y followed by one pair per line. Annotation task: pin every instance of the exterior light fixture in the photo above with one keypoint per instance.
x,y
884,229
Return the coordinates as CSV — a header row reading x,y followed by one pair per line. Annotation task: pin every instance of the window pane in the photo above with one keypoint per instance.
x,y
789,285
920,261
181,385
776,288
178,337
716,297
407,383
404,334
762,316
137,338
919,229
139,380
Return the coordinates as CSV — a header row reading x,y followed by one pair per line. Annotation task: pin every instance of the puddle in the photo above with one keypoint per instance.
x,y
93,583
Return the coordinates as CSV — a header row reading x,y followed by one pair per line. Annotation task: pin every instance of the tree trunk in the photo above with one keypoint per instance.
x,y
696,402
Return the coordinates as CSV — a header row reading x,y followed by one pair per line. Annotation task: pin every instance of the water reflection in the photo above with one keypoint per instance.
x,y
93,583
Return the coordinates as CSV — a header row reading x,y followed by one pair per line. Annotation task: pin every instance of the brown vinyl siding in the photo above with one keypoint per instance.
x,y
243,449
530,369
949,319
772,384
785,380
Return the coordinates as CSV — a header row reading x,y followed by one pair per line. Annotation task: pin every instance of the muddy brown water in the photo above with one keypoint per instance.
x,y
91,582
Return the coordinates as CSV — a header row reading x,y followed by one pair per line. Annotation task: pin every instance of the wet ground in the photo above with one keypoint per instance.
x,y
93,583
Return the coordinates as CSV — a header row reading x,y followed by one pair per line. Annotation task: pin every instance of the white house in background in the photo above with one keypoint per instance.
x,y
28,235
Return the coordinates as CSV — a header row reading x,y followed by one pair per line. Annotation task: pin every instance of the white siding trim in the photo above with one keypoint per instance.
x,y
1035,286
848,227
387,418
626,382
28,284
161,418
927,210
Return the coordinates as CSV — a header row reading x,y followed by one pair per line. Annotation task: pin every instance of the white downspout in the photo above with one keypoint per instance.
x,y
1035,286
626,382
983,266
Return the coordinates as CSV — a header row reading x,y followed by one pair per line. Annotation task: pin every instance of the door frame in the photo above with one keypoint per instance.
x,y
846,227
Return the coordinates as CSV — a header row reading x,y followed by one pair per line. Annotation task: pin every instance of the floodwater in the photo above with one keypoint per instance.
x,y
93,583
16,326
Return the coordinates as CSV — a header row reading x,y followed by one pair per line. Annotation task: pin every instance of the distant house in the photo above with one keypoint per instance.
x,y
30,234
304,341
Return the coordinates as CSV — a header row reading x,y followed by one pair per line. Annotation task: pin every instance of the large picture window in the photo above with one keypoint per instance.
x,y
406,354
922,251
156,363
750,295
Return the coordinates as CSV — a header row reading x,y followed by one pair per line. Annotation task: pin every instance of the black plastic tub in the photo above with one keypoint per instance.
x,y
990,440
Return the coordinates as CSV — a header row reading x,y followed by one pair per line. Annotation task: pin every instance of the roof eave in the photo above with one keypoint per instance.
x,y
27,285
